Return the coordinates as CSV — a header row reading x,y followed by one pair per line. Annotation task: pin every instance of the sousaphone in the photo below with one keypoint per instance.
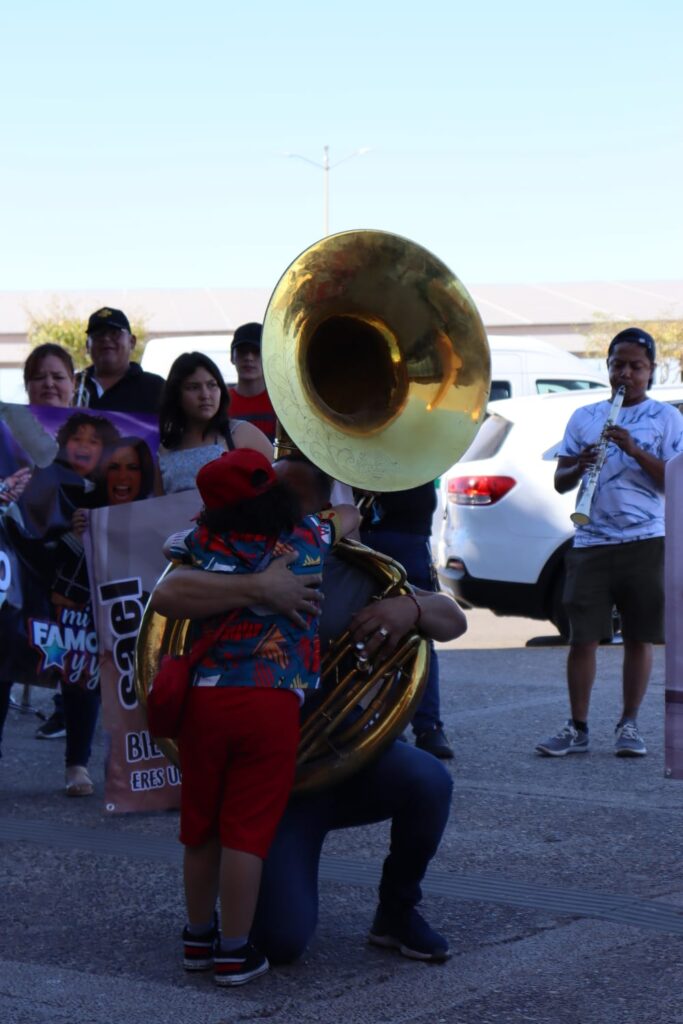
x,y
378,367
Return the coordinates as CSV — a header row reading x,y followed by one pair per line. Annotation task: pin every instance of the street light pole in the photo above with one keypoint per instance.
x,y
326,191
326,167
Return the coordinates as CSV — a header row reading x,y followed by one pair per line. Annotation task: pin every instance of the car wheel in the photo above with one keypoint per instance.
x,y
558,614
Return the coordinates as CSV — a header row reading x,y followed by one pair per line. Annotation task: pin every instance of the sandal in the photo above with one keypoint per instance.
x,y
78,782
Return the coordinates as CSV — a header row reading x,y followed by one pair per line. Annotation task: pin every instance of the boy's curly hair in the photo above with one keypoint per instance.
x,y
104,428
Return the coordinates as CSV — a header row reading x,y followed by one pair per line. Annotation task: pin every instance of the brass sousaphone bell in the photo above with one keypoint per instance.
x,y
378,367
376,360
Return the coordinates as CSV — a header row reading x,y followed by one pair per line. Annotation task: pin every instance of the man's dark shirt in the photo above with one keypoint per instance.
x,y
137,391
408,511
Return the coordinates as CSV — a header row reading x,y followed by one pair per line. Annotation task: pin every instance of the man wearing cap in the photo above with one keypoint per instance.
x,y
249,399
113,381
618,556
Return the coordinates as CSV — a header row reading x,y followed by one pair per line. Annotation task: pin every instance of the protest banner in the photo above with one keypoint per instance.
x,y
124,548
79,460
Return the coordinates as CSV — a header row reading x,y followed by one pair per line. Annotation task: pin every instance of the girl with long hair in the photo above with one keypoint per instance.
x,y
195,425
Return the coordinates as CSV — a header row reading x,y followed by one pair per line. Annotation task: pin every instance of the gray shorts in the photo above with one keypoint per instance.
x,y
629,576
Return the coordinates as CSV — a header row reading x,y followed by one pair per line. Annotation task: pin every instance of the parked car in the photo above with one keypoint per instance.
x,y
505,528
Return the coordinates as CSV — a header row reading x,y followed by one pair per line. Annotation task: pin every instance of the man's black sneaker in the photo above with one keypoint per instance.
x,y
239,965
53,729
408,932
198,949
434,742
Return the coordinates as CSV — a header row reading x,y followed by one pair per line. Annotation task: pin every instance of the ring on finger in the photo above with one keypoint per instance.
x,y
383,632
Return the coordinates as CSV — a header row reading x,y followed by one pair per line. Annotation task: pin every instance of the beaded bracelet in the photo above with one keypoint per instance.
x,y
417,605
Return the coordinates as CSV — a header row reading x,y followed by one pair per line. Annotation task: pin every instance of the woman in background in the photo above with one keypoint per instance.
x,y
194,424
49,380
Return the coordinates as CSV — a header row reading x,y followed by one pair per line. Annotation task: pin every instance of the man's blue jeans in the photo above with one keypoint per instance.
x,y
81,708
413,551
404,785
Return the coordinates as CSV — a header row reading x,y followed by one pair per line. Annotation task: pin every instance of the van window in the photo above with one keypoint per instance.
x,y
552,387
500,389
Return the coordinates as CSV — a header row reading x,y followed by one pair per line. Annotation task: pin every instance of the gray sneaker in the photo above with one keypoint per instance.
x,y
629,742
567,741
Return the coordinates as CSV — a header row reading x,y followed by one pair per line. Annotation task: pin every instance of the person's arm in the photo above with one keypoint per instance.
x,y
570,468
246,435
649,463
79,522
383,624
188,593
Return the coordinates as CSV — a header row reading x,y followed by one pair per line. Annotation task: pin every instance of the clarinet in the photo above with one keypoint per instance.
x,y
82,396
581,515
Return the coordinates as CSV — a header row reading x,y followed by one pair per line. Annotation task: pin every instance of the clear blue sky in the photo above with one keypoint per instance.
x,y
142,143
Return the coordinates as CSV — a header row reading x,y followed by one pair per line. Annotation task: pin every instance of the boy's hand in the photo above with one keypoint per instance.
x,y
79,521
12,487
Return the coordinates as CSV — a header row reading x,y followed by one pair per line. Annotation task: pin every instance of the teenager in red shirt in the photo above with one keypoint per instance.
x,y
249,399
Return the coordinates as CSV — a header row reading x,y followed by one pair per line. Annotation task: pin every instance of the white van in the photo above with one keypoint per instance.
x,y
519,366
160,353
529,366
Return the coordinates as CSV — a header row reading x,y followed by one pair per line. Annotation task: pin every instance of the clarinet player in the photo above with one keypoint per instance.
x,y
617,558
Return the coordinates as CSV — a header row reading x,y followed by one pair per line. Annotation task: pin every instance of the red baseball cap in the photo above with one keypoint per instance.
x,y
235,476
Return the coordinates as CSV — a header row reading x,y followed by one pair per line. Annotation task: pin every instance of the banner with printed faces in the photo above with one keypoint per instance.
x,y
125,557
60,464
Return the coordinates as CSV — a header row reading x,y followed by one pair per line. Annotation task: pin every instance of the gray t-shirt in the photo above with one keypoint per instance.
x,y
347,589
627,504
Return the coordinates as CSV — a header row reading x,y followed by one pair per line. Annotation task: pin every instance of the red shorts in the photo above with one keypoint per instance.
x,y
237,757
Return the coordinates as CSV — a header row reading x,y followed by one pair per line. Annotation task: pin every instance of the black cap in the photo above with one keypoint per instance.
x,y
636,336
247,334
107,317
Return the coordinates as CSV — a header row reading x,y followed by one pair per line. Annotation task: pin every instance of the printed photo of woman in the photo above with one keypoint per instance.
x,y
128,471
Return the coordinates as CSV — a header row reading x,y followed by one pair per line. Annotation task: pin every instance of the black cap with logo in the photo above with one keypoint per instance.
x,y
108,317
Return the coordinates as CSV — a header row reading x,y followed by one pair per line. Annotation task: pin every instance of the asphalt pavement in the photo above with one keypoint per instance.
x,y
558,881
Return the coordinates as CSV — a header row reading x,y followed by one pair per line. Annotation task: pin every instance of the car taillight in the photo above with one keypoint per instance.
x,y
478,490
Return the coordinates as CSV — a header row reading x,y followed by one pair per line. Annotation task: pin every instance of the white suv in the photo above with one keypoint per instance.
x,y
505,528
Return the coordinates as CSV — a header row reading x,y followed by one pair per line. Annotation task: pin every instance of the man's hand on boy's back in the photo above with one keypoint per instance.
x,y
189,593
